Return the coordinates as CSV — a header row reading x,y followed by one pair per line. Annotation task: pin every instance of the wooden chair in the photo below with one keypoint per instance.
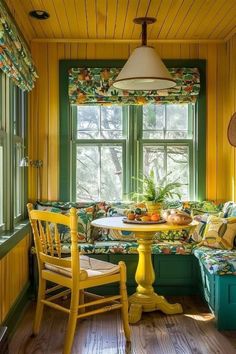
x,y
72,274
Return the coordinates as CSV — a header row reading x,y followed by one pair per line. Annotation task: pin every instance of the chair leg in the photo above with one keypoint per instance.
x,y
81,301
124,301
71,326
40,306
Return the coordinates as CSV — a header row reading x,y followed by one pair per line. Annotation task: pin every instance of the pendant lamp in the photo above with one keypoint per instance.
x,y
144,70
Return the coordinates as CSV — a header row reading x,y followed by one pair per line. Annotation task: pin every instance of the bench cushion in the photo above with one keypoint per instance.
x,y
119,247
217,261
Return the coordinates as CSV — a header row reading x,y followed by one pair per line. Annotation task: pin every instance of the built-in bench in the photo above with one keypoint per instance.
x,y
181,267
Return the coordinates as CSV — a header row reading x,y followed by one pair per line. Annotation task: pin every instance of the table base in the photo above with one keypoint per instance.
x,y
146,303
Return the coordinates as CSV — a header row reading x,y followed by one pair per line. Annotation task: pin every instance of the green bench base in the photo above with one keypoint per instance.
x,y
179,275
220,294
175,274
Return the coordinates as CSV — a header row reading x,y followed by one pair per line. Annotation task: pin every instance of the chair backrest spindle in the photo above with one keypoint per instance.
x,y
46,228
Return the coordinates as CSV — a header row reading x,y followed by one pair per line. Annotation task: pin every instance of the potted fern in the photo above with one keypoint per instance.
x,y
156,193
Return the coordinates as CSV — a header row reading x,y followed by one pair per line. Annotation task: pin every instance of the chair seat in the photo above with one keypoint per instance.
x,y
89,267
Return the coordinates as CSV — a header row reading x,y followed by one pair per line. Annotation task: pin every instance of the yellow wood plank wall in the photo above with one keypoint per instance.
x,y
44,117
14,275
230,152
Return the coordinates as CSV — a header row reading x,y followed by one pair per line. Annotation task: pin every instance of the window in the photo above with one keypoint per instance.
x,y
103,147
12,139
19,118
106,139
99,151
167,144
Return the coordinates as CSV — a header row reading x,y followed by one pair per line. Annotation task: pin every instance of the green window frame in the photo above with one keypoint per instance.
x,y
132,155
13,179
99,143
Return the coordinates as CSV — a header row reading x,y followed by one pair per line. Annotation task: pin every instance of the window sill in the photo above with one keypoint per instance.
x,y
9,239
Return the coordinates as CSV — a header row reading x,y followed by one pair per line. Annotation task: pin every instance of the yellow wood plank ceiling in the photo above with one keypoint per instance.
x,y
112,19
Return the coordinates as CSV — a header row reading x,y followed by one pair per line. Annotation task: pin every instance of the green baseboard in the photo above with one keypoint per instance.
x,y
17,310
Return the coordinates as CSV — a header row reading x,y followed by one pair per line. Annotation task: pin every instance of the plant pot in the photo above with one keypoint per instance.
x,y
153,207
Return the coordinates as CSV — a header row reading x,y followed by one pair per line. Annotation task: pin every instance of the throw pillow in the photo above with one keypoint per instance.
x,y
206,207
219,233
198,232
123,235
230,210
85,216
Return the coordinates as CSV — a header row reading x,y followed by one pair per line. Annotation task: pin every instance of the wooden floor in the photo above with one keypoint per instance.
x,y
191,332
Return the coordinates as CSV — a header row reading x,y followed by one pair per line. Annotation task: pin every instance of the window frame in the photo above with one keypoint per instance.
x,y
66,136
96,142
190,143
10,110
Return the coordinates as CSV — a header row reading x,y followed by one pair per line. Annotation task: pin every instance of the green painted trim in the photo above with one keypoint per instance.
x,y
9,239
65,129
201,115
17,310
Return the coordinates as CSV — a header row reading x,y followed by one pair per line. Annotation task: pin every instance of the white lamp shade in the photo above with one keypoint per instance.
x,y
144,70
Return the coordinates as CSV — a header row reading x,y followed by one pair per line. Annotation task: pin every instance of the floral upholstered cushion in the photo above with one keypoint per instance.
x,y
172,247
119,247
85,216
219,262
172,235
112,210
205,207
219,233
120,208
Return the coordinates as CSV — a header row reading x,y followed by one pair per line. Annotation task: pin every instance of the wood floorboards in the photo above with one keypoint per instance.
x,y
191,332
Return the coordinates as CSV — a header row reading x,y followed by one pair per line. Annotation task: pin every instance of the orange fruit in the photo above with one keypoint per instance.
x,y
131,216
155,217
145,218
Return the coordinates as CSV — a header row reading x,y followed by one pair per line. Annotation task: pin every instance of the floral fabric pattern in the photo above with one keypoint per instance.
x,y
85,216
219,262
94,86
172,235
205,207
229,209
216,261
15,58
198,232
121,247
219,232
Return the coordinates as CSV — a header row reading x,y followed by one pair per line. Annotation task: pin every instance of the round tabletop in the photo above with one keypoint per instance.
x,y
116,223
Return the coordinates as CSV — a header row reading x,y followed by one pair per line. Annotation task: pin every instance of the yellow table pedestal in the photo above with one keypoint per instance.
x,y
145,299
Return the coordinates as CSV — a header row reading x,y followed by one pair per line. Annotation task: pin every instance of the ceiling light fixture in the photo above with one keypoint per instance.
x,y
39,14
144,70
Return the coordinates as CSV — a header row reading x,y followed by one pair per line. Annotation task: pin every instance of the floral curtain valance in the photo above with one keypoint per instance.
x,y
15,58
94,86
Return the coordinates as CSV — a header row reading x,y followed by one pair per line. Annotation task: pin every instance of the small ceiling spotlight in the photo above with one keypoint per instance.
x,y
39,14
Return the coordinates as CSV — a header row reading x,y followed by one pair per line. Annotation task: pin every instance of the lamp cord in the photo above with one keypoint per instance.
x,y
144,33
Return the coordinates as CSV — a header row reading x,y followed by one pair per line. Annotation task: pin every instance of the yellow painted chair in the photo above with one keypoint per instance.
x,y
72,274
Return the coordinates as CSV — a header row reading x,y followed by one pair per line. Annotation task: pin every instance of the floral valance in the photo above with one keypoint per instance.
x,y
15,58
94,86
